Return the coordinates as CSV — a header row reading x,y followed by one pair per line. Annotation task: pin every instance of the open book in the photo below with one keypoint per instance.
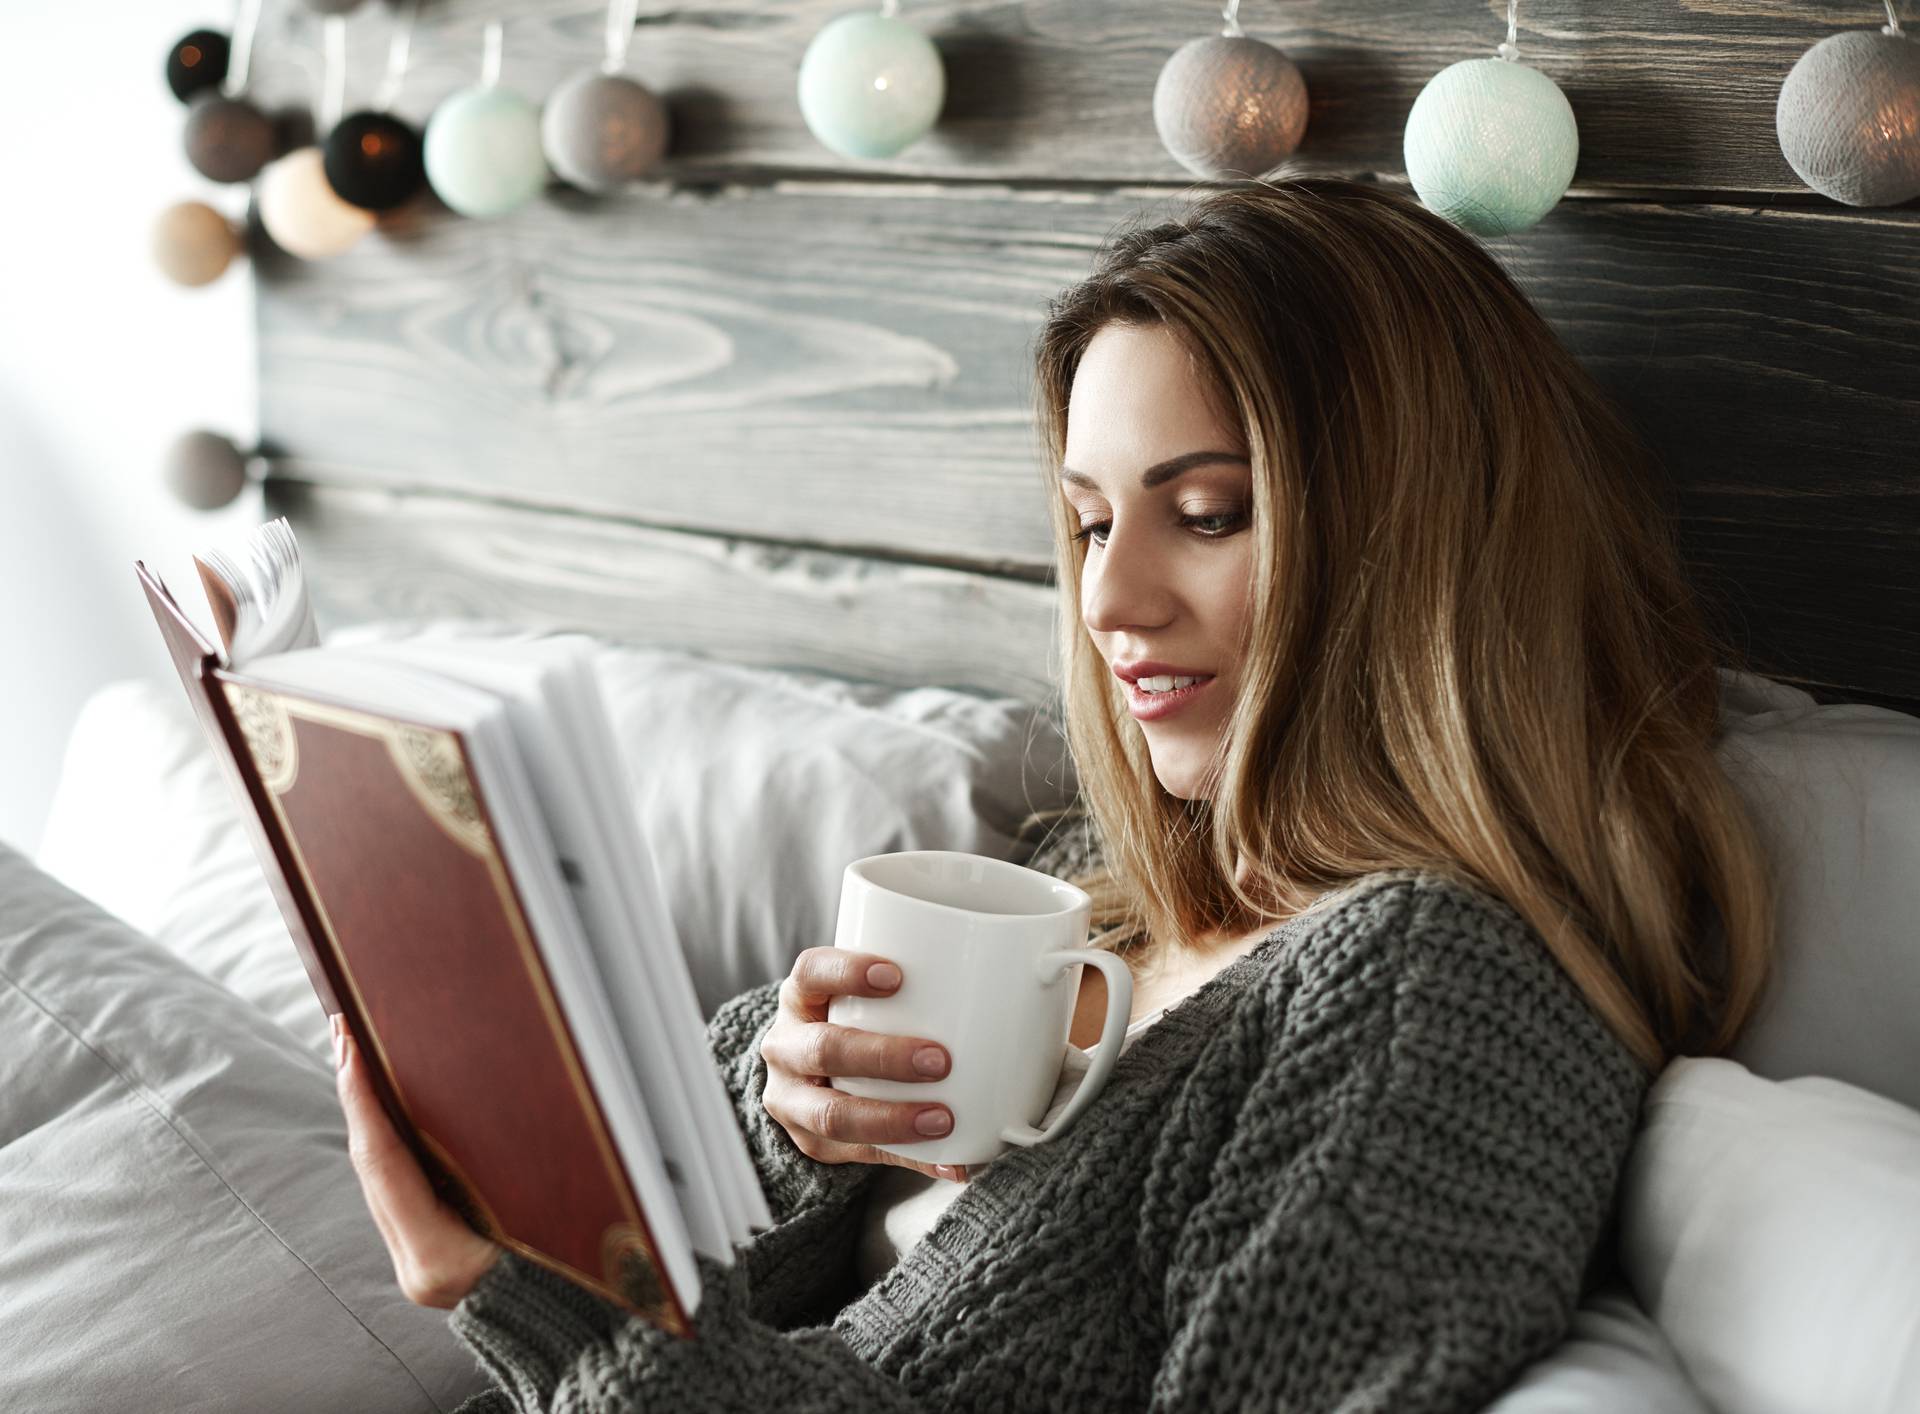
x,y
443,826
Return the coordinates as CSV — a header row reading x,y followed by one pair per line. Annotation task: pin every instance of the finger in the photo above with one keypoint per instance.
x,y
826,1048
365,1123
854,1119
397,1189
821,974
953,1173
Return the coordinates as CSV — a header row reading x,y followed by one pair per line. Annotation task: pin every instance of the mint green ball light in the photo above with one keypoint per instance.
x,y
870,84
1491,144
482,148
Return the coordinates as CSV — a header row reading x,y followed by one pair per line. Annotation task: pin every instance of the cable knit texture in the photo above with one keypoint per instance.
x,y
1369,1165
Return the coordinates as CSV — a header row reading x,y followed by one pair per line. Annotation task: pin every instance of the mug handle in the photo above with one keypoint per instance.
x,y
1106,1051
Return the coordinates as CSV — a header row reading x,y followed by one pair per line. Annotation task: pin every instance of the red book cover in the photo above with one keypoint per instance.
x,y
378,843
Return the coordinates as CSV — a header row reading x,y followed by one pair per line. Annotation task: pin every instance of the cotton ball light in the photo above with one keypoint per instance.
x,y
1491,144
373,161
1848,117
193,244
197,62
599,130
483,151
205,470
870,84
1230,106
227,139
303,214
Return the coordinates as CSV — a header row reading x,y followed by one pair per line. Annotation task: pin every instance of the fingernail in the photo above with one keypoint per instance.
x,y
930,1060
884,975
339,1042
948,1171
933,1121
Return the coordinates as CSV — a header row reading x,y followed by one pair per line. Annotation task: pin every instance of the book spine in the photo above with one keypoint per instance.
x,y
289,890
298,907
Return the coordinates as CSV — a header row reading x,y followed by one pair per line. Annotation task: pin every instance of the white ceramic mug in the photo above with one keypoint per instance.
x,y
990,956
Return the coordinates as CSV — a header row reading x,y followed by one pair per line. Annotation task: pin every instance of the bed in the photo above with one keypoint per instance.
x,y
487,428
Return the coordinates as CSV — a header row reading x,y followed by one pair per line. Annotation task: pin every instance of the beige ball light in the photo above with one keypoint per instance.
x,y
303,214
193,244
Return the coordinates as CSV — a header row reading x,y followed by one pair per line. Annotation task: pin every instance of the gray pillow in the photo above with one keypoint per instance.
x,y
180,1226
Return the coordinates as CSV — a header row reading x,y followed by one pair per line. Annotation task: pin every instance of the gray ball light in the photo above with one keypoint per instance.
x,y
1230,106
227,139
601,130
206,470
1848,117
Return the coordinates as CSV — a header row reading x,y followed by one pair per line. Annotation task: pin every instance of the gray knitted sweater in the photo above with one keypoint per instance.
x,y
1369,1165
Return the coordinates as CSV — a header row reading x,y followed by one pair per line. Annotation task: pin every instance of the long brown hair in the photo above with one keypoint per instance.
x,y
1473,648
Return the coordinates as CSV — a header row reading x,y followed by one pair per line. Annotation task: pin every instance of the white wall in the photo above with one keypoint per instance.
x,y
103,363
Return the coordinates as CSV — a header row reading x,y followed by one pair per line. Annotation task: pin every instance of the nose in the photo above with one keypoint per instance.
x,y
1124,583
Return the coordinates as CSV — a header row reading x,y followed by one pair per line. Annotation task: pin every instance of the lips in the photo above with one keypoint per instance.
x,y
1154,668
1151,706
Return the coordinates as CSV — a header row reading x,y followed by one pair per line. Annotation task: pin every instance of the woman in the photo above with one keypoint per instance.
x,y
1424,877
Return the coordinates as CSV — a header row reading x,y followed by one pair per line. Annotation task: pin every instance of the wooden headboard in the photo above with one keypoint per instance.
x,y
774,406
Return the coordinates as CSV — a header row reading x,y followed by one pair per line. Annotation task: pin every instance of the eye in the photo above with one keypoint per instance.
x,y
1227,522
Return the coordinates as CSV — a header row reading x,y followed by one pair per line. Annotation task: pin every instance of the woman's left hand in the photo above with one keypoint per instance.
x,y
436,1256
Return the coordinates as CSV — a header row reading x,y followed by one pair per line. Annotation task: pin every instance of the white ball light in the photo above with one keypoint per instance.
x,y
302,212
483,151
1848,118
1230,106
870,84
1491,145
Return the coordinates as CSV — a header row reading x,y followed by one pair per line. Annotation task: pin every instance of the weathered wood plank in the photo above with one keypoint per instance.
x,y
1670,97
376,554
379,554
846,366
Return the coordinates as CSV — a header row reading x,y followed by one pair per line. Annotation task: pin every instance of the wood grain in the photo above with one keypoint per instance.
x,y
770,346
846,366
388,555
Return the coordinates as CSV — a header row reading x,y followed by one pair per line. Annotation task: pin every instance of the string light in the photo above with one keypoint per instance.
x,y
601,129
482,151
372,159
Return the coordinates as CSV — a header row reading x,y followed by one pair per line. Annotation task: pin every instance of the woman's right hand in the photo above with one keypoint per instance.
x,y
803,1050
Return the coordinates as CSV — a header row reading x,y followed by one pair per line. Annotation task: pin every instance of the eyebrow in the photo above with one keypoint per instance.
x,y
1161,471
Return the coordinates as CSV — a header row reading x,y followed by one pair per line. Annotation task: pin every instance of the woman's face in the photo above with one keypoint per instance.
x,y
1163,481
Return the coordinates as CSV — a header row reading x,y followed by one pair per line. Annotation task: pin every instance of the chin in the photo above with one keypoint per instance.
x,y
1181,784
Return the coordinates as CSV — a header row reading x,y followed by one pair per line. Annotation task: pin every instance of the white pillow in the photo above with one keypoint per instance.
x,y
1836,791
755,788
144,823
1772,1229
180,1225
1614,1360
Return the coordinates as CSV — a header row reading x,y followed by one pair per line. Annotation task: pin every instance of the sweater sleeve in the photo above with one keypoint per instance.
x,y
1400,1214
549,1344
795,1184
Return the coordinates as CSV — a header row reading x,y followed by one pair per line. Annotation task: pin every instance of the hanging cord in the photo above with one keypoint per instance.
x,y
1510,50
621,15
246,23
397,57
1892,26
1232,16
333,80
490,61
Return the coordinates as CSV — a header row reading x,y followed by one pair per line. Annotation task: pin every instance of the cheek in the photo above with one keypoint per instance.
x,y
1230,599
